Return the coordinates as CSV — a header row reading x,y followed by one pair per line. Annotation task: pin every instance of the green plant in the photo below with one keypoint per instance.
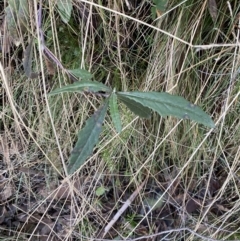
x,y
140,103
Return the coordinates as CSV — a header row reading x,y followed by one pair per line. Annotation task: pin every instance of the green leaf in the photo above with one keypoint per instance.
x,y
154,203
169,105
65,9
17,19
81,86
135,107
14,4
11,25
80,73
87,138
23,15
161,5
153,13
27,61
114,112
100,191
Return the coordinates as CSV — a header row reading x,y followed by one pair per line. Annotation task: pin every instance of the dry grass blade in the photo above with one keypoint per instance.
x,y
27,61
205,238
123,208
192,190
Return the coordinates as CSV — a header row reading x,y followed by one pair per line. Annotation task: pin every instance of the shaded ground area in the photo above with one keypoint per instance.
x,y
33,206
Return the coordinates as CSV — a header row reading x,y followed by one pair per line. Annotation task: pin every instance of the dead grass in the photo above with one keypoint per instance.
x,y
192,173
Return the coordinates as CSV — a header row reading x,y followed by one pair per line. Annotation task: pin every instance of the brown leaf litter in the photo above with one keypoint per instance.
x,y
45,211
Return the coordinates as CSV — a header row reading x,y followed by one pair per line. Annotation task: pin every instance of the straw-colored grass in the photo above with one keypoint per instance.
x,y
191,171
